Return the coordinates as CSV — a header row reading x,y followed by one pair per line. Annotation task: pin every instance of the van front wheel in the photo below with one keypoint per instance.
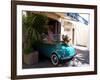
x,y
54,59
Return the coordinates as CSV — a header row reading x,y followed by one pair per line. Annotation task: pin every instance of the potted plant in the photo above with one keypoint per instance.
x,y
33,27
30,56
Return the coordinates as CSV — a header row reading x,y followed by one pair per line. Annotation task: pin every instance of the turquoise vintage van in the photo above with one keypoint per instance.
x,y
57,52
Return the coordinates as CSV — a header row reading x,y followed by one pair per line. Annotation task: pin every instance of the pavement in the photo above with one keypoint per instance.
x,y
81,59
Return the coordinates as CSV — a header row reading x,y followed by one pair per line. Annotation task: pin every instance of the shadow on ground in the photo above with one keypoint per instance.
x,y
81,59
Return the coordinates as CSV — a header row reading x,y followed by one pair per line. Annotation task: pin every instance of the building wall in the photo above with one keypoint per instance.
x,y
81,35
53,16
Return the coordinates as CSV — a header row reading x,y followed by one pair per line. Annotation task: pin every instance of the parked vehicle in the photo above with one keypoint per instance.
x,y
57,51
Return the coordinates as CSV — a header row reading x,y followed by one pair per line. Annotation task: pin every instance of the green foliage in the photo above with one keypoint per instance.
x,y
33,26
27,50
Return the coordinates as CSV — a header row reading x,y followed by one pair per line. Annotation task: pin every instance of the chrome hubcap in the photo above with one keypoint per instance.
x,y
54,59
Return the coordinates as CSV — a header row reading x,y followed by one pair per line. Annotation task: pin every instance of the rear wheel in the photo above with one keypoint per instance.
x,y
54,59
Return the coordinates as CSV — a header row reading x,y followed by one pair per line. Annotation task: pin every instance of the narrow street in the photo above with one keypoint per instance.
x,y
82,55
81,59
